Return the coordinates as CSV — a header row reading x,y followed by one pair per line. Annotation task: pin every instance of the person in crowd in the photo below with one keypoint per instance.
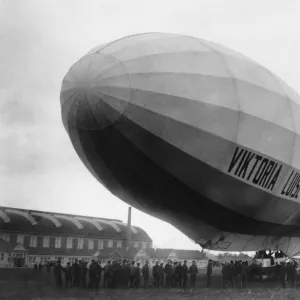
x,y
161,272
155,275
58,274
145,273
68,275
193,270
48,267
98,270
232,274
137,279
128,265
168,272
133,271
109,283
83,273
119,274
124,275
209,273
35,266
236,264
283,273
291,274
239,275
179,274
244,276
40,267
173,274
76,273
107,269
115,274
294,273
92,275
277,269
272,261
185,274
260,270
225,274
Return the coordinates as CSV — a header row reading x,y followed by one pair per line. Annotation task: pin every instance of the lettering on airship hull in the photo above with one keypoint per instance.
x,y
291,187
254,168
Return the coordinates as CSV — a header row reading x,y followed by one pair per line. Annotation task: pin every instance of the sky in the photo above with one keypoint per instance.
x,y
41,39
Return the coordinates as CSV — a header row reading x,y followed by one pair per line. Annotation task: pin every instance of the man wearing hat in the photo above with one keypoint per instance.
x,y
193,270
209,273
76,273
168,272
161,271
185,274
145,273
58,274
93,275
155,274
68,275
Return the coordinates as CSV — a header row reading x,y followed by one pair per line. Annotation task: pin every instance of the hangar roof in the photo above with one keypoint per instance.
x,y
38,222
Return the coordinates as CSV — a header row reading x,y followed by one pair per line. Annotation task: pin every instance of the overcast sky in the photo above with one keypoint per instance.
x,y
40,40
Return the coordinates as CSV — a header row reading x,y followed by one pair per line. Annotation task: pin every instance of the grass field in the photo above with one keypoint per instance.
x,y
24,284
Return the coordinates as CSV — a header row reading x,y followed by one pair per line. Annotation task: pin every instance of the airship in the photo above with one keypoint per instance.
x,y
192,133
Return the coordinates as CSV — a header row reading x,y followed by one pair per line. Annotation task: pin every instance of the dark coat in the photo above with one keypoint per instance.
x,y
193,270
145,272
155,270
179,270
58,271
168,269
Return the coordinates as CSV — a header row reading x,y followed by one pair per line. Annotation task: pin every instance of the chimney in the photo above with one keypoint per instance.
x,y
129,228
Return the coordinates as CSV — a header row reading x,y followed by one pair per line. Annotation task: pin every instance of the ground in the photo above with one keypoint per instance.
x,y
23,284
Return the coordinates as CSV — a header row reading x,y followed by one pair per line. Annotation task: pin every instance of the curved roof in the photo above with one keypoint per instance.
x,y
38,222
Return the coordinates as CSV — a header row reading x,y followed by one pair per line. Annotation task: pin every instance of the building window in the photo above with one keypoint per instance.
x,y
2,257
46,241
32,259
58,242
33,241
144,245
119,244
100,244
75,243
5,237
110,243
80,243
20,239
136,244
91,244
69,243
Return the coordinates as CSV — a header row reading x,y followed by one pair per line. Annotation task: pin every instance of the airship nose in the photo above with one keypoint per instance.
x,y
95,92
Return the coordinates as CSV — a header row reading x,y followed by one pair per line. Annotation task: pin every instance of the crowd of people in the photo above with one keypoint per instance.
x,y
286,271
122,274
235,274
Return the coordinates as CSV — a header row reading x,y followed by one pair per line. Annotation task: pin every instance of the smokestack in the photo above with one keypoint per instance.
x,y
129,228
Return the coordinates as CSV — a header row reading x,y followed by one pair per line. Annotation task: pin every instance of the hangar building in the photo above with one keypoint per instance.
x,y
29,236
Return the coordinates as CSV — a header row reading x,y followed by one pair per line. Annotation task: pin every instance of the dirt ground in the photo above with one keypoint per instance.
x,y
24,284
